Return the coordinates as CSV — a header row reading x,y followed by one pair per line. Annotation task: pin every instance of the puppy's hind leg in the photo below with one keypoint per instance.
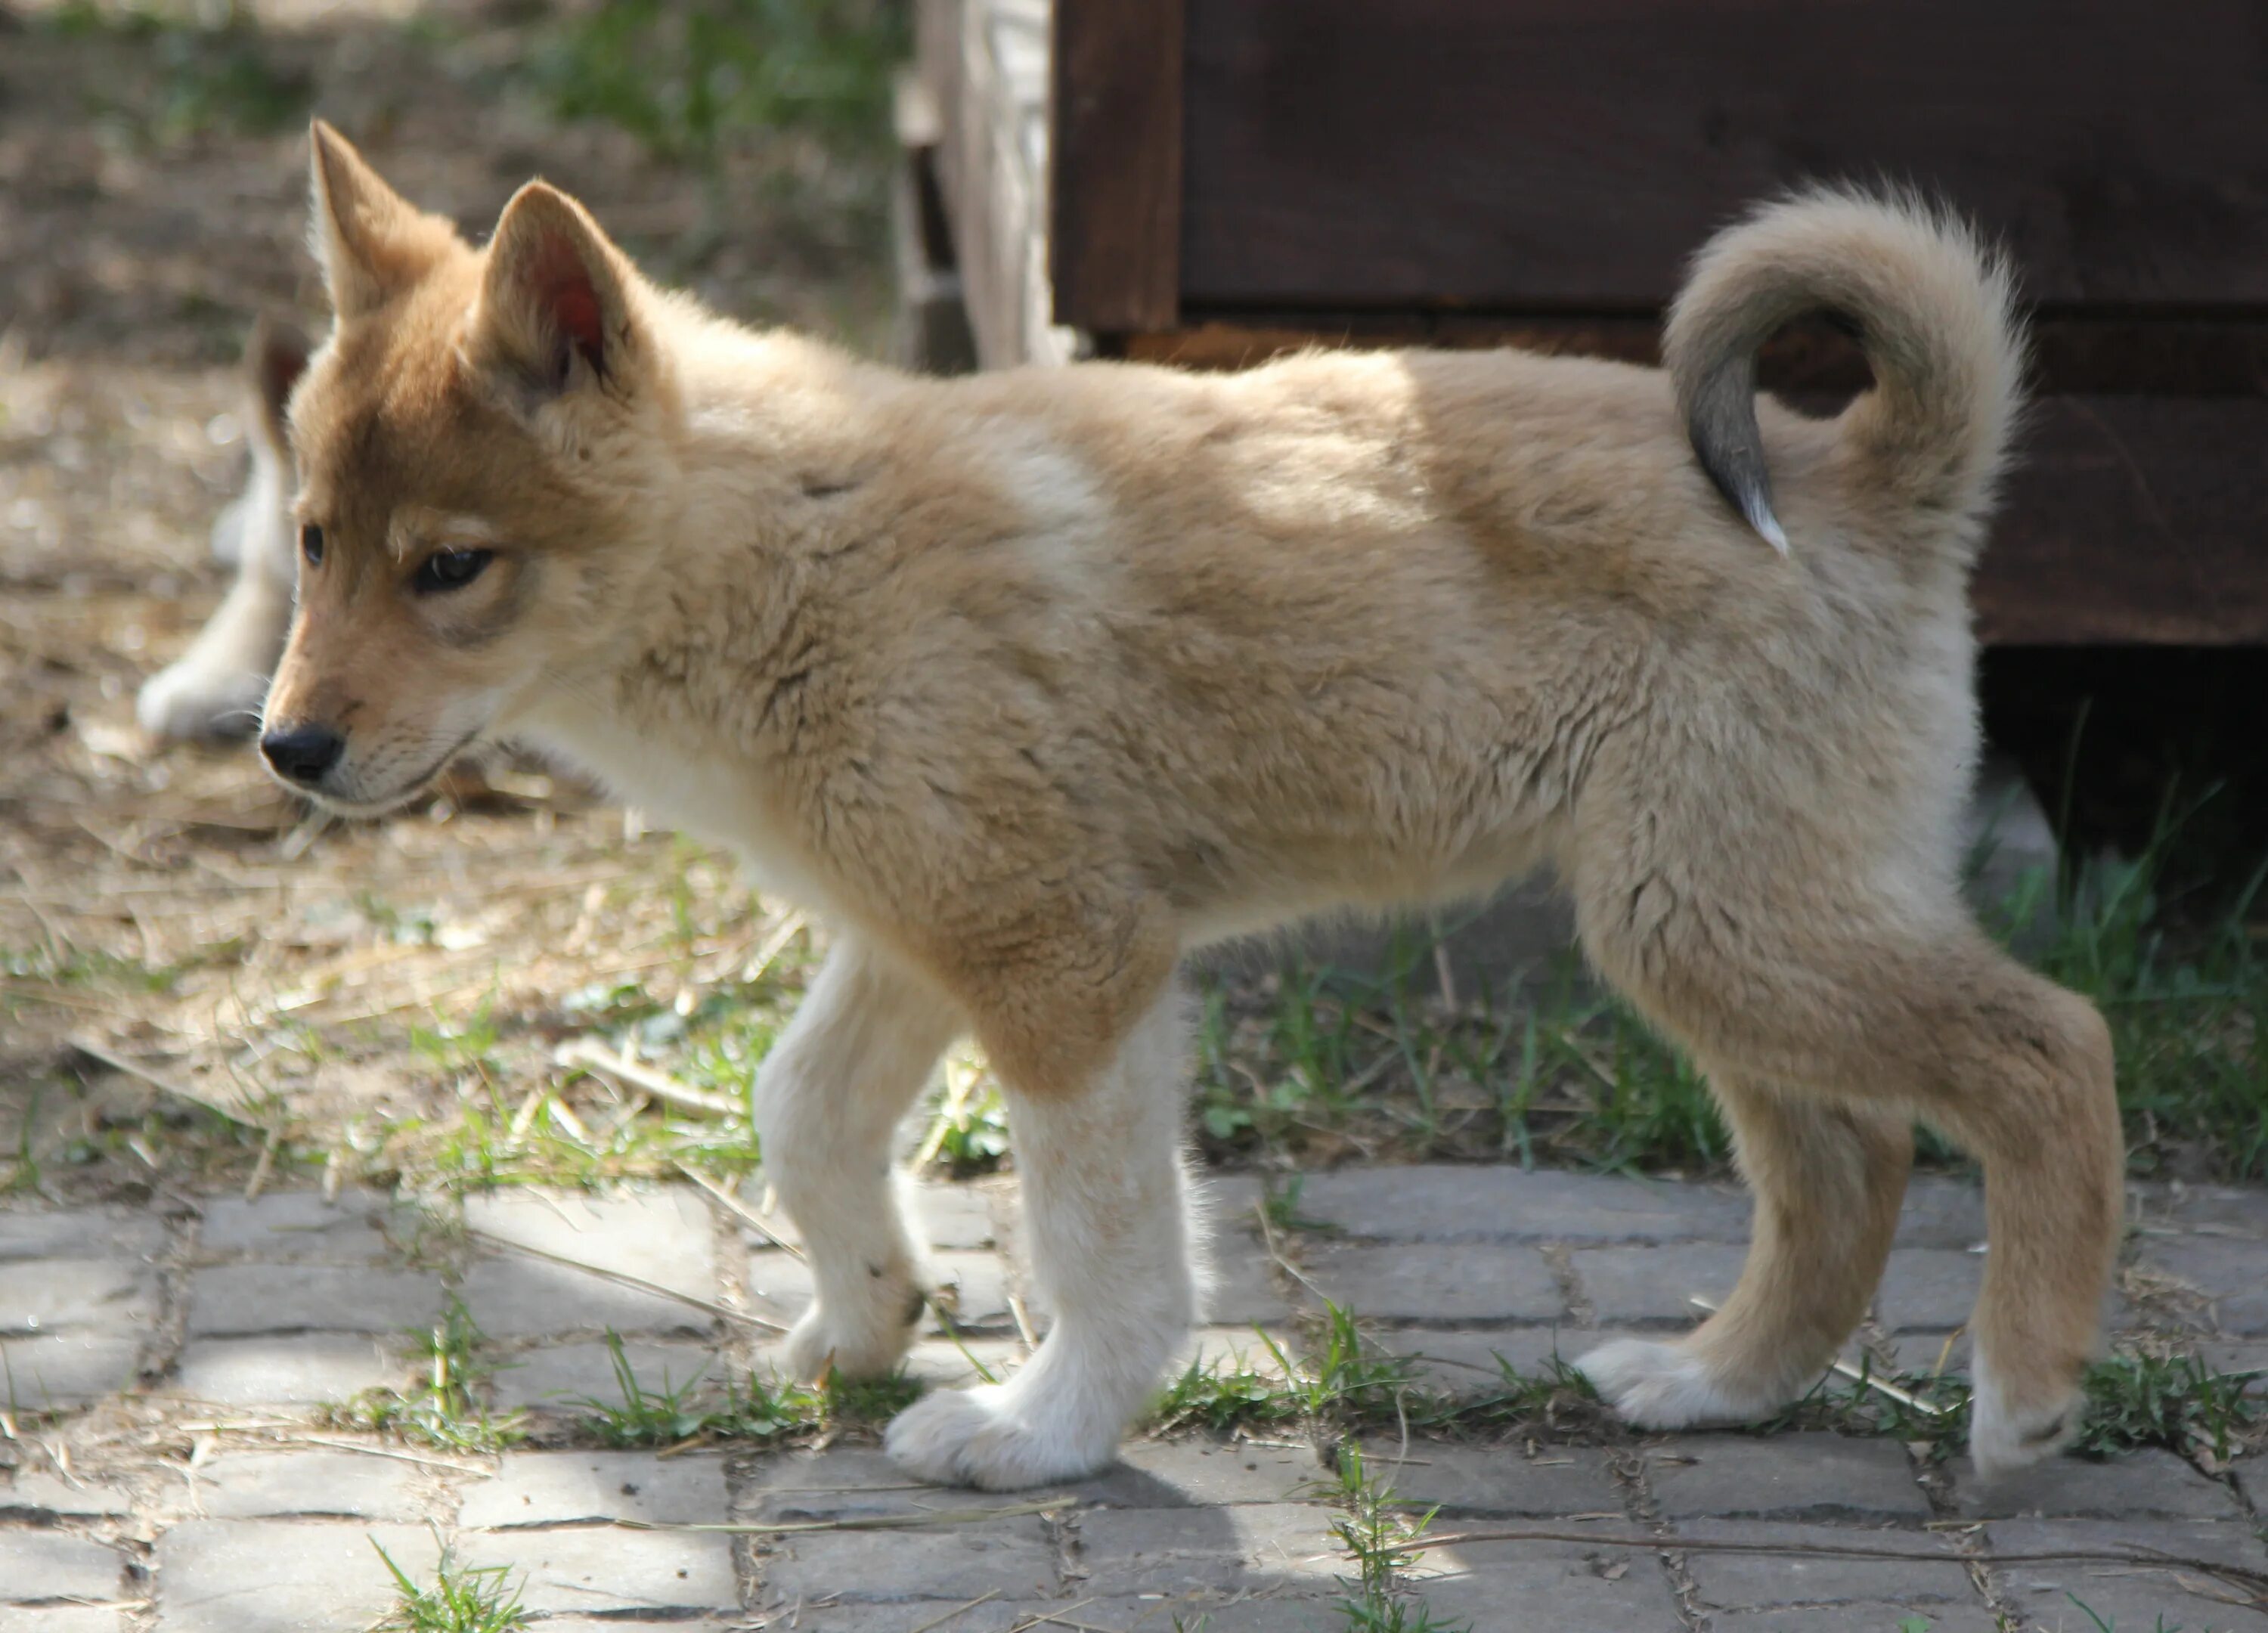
x,y
1105,1203
1828,1179
828,1100
1894,1013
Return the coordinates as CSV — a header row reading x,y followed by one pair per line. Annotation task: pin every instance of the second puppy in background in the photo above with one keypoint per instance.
x,y
215,689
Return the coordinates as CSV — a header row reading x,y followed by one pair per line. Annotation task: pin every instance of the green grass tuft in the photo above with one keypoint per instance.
x,y
442,1410
462,1599
759,1410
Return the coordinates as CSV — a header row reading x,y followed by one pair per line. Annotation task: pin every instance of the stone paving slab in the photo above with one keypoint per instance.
x,y
1561,1587
1471,1363
307,1482
1202,1474
609,1572
973,1285
60,1619
1792,1580
48,1295
2127,1596
300,1368
666,1236
1011,1556
1870,1616
1656,1285
67,1369
2226,1269
279,1226
38,1492
779,1284
40,1564
1251,1547
1444,1281
1198,1612
555,1377
1245,1288
2151,1484
948,1216
1564,1482
279,1576
241,1300
512,1297
566,1488
1443,1202
1794,1477
848,1482
81,1232
1941,1211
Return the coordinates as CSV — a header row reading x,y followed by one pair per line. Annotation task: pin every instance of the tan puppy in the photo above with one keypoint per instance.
x,y
1032,681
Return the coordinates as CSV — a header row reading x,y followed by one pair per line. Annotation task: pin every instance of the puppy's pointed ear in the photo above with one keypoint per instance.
x,y
554,307
274,359
373,243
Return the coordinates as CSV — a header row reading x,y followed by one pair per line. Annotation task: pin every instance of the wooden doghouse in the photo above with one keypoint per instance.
x,y
1211,182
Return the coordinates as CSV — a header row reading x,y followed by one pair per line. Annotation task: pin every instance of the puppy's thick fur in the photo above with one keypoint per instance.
x,y
215,688
1032,681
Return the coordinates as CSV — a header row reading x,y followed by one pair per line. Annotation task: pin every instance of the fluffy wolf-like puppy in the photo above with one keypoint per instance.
x,y
215,688
1029,682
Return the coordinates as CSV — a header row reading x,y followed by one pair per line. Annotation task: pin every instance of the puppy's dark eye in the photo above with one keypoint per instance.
x,y
451,570
311,544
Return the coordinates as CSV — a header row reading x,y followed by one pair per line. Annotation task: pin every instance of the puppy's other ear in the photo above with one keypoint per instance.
x,y
373,243
275,358
554,307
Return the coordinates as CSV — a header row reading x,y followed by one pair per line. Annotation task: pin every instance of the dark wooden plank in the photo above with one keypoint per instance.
x,y
1571,154
1114,205
2167,358
2139,519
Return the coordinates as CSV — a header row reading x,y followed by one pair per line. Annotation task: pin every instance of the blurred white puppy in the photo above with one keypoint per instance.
x,y
217,687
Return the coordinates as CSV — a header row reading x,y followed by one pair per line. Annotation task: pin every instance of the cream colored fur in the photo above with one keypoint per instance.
x,y
1032,681
215,688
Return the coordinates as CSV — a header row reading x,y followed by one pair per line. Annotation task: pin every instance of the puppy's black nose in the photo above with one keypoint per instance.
x,y
302,754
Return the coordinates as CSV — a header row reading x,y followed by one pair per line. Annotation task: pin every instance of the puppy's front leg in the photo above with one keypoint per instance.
x,y
828,1100
1105,1212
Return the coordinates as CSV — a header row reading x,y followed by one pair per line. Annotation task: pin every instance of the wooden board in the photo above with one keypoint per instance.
x,y
1115,148
2133,519
1542,155
2171,357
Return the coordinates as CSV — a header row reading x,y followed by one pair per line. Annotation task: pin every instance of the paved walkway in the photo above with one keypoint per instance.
x,y
189,1485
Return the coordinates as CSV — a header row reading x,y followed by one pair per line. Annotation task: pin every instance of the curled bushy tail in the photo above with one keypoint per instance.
x,y
1934,310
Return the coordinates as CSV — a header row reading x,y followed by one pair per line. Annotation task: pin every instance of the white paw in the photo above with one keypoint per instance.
x,y
1661,1386
188,701
869,1344
987,1438
2004,1437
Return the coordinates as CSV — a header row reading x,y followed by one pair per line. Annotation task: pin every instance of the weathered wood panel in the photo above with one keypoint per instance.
x,y
984,65
1570,154
2133,519
1115,152
2174,357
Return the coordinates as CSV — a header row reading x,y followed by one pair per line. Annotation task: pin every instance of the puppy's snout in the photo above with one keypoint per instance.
x,y
303,754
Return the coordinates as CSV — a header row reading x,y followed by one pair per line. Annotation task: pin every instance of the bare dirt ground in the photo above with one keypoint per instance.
x,y
166,916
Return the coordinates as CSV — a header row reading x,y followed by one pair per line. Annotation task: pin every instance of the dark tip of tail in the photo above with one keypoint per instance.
x,y
1722,427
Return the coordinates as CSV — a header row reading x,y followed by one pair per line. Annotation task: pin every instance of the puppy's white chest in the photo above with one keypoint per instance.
x,y
702,794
